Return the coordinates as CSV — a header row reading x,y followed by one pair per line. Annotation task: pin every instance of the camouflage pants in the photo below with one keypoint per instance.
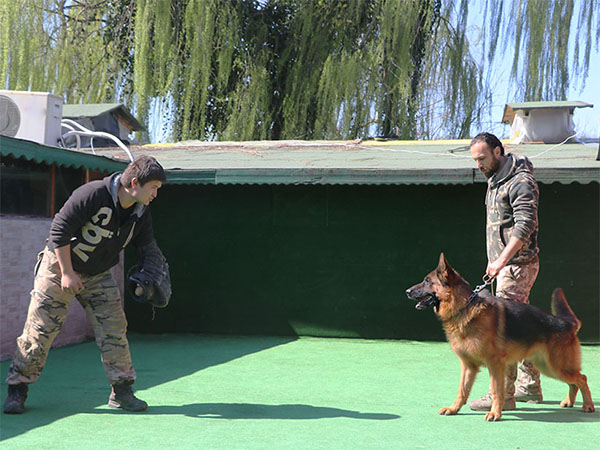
x,y
514,282
48,308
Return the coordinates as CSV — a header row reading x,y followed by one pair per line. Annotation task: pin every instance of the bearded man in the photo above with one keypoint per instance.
x,y
511,236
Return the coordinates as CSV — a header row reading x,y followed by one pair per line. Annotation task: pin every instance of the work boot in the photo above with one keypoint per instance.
x,y
523,395
122,397
15,402
485,403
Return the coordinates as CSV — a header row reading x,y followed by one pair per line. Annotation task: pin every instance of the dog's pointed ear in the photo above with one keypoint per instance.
x,y
442,264
444,269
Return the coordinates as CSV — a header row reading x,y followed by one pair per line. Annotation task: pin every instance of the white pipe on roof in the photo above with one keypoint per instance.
x,y
68,123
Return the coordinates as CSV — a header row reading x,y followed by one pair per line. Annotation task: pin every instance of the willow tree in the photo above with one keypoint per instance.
x,y
75,49
309,69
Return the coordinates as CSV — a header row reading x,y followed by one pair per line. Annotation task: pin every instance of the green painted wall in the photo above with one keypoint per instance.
x,y
336,260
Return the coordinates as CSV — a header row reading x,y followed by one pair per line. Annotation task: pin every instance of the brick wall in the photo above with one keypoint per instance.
x,y
21,239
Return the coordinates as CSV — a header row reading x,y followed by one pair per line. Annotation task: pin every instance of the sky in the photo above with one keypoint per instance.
x,y
587,120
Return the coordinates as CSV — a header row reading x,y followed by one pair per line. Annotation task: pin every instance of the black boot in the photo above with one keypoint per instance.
x,y
122,397
15,402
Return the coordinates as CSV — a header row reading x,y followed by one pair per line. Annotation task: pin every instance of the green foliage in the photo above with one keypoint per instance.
x,y
296,69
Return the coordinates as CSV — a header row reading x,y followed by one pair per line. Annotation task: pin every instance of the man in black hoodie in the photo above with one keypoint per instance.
x,y
86,236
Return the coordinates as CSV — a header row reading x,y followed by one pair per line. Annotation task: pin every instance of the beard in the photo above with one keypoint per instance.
x,y
489,173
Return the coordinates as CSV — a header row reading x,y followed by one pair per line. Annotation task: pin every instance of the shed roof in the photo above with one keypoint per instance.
x,y
354,162
510,108
32,151
321,162
77,111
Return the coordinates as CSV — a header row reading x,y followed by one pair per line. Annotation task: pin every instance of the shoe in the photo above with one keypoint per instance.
x,y
15,402
485,403
122,397
523,395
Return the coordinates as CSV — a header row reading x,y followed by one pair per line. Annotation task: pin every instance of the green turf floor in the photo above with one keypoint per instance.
x,y
278,393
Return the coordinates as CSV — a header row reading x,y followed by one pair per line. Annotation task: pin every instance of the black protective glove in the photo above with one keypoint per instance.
x,y
149,281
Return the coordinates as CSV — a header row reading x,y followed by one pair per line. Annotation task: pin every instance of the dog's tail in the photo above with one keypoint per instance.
x,y
560,308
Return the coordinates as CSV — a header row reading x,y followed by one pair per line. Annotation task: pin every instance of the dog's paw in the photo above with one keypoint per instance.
x,y
588,408
448,411
492,417
566,403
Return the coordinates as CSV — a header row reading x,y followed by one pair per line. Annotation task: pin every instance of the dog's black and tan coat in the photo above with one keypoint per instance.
x,y
492,332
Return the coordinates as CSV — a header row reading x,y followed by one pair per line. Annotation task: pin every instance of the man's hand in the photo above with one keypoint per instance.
x,y
71,281
513,246
493,269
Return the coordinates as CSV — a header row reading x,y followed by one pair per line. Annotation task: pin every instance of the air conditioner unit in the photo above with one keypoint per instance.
x,y
34,116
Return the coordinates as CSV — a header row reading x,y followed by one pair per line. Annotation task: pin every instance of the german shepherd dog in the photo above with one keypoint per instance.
x,y
489,331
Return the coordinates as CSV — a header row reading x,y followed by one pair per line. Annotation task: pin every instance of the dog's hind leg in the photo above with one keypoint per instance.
x,y
468,373
570,400
577,382
588,404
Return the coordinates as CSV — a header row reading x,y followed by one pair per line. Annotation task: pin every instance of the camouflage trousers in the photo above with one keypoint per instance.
x,y
514,282
48,308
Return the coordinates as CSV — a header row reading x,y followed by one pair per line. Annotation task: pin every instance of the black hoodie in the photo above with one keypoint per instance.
x,y
90,222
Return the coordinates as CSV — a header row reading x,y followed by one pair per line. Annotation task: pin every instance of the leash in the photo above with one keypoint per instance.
x,y
487,281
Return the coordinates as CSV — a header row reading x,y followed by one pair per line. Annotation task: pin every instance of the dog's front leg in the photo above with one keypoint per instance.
x,y
468,372
497,375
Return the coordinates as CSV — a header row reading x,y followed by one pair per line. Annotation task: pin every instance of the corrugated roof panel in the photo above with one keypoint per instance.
x,y
355,162
72,110
341,162
39,153
342,176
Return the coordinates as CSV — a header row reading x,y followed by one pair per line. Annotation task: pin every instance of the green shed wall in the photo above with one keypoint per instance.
x,y
335,260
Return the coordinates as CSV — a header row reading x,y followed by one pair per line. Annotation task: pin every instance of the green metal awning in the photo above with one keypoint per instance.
x,y
32,151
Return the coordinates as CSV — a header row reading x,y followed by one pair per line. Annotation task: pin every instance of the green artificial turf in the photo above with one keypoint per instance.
x,y
210,392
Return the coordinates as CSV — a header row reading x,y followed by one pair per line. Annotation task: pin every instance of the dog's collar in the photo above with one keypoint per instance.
x,y
487,280
475,293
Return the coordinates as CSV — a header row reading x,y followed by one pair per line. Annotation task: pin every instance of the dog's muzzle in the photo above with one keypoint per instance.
x,y
425,302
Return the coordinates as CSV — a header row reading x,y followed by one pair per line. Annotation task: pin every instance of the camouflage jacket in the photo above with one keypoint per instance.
x,y
512,210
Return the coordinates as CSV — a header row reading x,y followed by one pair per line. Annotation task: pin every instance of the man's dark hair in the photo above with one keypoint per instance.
x,y
144,168
491,140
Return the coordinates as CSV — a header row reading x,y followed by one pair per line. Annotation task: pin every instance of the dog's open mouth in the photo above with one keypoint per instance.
x,y
430,300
